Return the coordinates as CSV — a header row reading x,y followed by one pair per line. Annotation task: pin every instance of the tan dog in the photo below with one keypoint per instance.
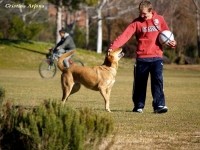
x,y
98,78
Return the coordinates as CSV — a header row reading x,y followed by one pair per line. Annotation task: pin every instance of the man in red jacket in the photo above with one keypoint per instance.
x,y
149,56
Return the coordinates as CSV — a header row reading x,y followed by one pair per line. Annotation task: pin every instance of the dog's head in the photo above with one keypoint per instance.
x,y
113,57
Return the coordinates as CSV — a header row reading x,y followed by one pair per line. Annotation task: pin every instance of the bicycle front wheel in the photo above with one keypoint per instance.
x,y
47,69
78,63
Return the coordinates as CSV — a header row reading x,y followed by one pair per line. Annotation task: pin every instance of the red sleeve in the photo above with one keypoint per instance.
x,y
124,37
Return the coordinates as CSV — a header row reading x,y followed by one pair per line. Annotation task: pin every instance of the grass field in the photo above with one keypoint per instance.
x,y
179,129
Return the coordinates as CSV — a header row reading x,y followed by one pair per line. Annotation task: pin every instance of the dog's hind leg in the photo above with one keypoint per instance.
x,y
75,88
66,93
67,88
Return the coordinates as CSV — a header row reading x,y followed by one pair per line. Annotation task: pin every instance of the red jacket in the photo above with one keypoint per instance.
x,y
146,32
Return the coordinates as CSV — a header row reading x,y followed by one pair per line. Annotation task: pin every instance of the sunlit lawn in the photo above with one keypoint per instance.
x,y
177,129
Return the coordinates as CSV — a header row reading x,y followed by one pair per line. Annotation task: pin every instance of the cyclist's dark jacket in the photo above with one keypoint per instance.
x,y
66,43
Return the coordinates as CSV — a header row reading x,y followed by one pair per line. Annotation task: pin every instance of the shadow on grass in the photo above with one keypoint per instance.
x,y
121,110
11,41
30,50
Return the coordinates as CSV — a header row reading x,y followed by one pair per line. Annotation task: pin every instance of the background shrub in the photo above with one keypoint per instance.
x,y
2,95
54,126
23,31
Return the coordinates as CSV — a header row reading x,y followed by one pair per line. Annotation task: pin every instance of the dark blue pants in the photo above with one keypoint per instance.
x,y
141,72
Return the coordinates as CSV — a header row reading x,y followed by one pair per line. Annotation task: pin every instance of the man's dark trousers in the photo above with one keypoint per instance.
x,y
142,70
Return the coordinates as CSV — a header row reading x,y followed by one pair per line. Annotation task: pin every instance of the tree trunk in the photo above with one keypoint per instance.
x,y
108,27
58,20
99,32
86,29
198,31
99,26
198,26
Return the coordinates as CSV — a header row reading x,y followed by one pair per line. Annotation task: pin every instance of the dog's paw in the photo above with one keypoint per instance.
x,y
108,110
63,102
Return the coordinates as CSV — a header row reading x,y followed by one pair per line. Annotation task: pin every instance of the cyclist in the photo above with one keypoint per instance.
x,y
66,44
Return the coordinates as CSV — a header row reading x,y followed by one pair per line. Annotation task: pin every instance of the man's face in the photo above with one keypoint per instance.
x,y
145,14
62,34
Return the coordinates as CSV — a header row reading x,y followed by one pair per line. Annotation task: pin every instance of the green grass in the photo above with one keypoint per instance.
x,y
177,129
16,54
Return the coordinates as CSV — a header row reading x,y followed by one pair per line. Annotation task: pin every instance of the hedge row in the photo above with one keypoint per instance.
x,y
53,126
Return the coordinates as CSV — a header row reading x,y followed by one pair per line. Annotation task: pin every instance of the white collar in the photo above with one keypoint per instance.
x,y
66,34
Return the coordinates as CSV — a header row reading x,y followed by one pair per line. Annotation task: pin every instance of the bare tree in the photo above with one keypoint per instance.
x,y
100,11
118,9
27,10
110,10
190,11
86,28
99,25
58,19
88,15
197,6
60,4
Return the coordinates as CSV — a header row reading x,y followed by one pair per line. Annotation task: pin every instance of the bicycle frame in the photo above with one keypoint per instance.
x,y
48,67
55,56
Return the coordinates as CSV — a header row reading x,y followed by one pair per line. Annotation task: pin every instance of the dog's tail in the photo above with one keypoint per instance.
x,y
60,60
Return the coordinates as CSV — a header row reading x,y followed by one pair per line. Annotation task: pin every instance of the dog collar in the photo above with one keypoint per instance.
x,y
111,72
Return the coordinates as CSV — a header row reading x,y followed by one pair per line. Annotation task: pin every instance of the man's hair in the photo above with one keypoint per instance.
x,y
62,30
145,4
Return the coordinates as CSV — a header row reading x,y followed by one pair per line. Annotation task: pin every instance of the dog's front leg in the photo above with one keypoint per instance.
x,y
106,95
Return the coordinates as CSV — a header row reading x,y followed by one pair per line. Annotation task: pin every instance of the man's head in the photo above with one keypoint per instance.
x,y
145,9
62,32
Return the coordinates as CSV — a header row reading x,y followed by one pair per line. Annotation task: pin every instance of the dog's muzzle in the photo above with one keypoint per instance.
x,y
121,54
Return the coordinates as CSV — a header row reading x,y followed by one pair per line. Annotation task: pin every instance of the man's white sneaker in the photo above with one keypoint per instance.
x,y
138,110
161,109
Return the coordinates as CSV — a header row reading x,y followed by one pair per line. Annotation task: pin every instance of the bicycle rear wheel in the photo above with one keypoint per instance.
x,y
78,63
47,70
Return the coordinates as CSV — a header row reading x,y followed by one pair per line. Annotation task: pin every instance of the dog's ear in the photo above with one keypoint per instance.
x,y
107,54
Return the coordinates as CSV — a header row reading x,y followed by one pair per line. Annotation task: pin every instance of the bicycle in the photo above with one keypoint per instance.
x,y
48,67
